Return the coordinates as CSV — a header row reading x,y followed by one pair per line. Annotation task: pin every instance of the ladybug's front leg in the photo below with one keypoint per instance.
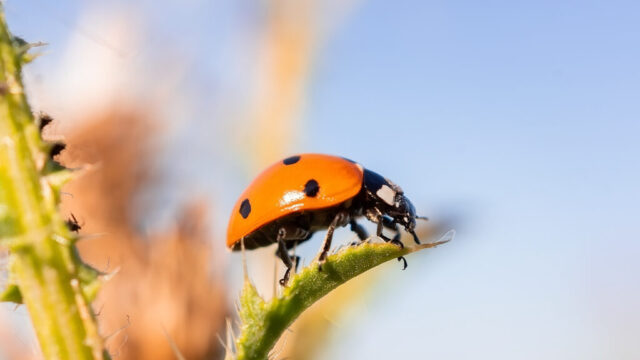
x,y
383,221
375,215
391,225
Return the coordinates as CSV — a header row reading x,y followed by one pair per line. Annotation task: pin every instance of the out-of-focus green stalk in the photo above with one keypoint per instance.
x,y
45,271
262,323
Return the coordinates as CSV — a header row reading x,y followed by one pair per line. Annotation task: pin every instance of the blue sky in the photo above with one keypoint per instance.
x,y
521,117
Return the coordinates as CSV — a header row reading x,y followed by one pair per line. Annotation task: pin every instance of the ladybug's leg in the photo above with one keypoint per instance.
x,y
379,230
401,258
340,219
283,254
296,261
291,245
396,239
390,224
415,237
288,233
375,215
359,230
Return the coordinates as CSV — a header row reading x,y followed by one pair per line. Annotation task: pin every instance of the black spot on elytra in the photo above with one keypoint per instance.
x,y
245,208
373,181
311,188
291,160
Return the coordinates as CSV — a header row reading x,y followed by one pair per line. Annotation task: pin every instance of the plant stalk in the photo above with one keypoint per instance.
x,y
43,263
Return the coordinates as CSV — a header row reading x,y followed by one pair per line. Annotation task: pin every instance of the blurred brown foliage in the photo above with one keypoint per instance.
x,y
168,287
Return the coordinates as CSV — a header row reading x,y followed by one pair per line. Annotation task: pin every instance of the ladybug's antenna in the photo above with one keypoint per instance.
x,y
422,218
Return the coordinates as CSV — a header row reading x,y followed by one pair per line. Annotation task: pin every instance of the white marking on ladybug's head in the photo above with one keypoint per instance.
x,y
387,194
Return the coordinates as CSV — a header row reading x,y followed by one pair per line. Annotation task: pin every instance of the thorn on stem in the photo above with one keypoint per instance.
x,y
56,149
44,121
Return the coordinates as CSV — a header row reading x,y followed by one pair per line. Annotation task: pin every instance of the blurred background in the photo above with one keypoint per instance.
x,y
516,123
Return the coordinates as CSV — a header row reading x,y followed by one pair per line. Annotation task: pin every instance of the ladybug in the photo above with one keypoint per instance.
x,y
302,194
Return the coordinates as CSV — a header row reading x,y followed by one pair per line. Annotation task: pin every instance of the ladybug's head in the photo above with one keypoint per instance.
x,y
404,213
391,201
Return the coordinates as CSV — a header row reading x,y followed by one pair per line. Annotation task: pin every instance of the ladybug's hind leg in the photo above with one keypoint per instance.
x,y
283,252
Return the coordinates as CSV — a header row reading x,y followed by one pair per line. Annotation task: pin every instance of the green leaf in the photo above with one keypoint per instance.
x,y
264,322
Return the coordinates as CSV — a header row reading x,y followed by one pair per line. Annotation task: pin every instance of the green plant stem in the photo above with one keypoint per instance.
x,y
264,322
43,263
